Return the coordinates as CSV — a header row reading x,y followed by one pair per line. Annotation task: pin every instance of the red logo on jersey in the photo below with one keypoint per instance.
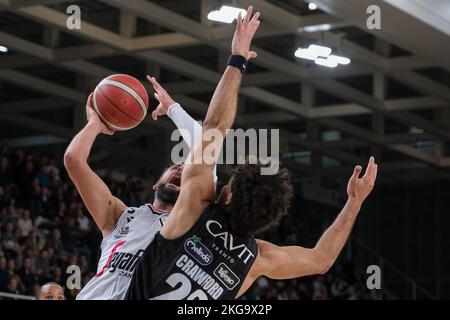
x,y
119,244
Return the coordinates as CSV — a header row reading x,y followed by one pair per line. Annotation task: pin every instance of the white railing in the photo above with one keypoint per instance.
x,y
15,296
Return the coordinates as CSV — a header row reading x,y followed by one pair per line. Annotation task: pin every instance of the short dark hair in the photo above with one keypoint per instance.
x,y
258,201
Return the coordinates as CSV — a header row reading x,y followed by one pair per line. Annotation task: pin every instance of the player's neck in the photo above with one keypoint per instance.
x,y
162,206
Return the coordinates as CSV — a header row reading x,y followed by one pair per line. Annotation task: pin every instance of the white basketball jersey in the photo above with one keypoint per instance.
x,y
121,250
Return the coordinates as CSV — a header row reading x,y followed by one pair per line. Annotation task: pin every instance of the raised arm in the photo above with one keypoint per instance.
x,y
197,186
223,105
190,129
102,205
293,261
222,109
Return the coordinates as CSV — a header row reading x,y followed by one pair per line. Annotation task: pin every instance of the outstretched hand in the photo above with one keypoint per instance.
x,y
359,188
93,118
165,100
245,30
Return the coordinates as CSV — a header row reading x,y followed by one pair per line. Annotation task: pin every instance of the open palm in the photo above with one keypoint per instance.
x,y
164,99
359,188
245,30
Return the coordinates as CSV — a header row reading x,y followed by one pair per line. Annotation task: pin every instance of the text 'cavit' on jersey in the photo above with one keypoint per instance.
x,y
209,262
121,250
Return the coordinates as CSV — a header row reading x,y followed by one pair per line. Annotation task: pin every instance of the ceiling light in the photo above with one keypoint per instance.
x,y
326,62
305,54
320,51
226,14
3,49
312,6
339,59
316,28
321,55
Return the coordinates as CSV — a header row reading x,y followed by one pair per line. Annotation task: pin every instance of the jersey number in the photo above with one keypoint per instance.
x,y
183,291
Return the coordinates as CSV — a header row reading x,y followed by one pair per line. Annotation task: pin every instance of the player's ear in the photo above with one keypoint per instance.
x,y
155,186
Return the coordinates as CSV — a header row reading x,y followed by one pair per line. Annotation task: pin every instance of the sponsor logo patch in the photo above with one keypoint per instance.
x,y
198,250
123,232
226,276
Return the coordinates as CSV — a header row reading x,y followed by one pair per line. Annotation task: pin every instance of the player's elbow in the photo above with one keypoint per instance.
x,y
214,122
323,261
324,265
71,160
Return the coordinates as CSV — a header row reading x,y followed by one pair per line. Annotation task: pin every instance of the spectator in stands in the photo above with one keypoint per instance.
x,y
320,290
28,277
4,274
52,258
57,275
3,198
6,172
43,264
56,242
82,219
13,286
24,223
8,241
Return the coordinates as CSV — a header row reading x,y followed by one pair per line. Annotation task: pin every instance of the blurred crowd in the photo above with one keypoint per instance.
x,y
44,228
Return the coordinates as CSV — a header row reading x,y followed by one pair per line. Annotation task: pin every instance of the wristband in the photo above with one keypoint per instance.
x,y
172,108
239,62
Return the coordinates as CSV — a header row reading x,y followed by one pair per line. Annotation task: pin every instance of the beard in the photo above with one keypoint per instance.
x,y
167,195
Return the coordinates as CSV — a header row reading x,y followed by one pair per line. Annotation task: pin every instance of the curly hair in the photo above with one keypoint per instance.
x,y
258,201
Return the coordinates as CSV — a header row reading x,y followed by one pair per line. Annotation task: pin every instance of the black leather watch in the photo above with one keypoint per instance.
x,y
239,62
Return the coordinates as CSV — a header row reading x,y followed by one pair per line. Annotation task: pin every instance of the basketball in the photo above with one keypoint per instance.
x,y
121,101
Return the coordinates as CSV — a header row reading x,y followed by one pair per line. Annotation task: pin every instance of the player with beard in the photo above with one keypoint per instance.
x,y
126,231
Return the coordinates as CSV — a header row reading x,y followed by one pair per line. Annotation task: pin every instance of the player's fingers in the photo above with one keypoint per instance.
x,y
158,85
239,20
374,174
252,55
89,100
248,15
154,115
110,131
161,92
150,79
156,96
370,167
255,25
154,83
256,17
356,173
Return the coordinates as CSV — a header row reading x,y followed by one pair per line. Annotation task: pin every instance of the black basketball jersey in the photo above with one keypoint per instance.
x,y
209,262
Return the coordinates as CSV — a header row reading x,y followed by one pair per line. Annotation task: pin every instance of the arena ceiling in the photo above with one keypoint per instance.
x,y
392,100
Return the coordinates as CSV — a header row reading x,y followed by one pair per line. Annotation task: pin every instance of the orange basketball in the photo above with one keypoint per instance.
x,y
121,101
